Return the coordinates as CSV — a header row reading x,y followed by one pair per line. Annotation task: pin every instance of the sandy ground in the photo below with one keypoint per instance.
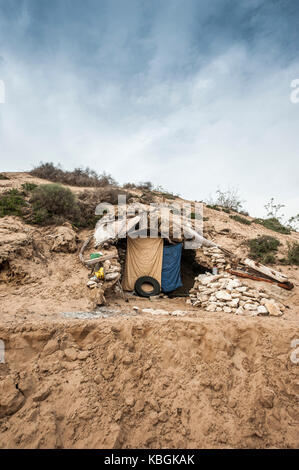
x,y
149,382
203,380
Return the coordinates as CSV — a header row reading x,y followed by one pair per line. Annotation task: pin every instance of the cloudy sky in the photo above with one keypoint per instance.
x,y
193,95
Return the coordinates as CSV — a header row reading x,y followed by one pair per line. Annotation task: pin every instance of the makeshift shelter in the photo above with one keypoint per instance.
x,y
143,252
132,248
144,258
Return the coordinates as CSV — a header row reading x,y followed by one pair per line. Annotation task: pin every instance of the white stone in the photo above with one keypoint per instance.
x,y
241,289
234,303
211,307
236,295
250,306
178,313
159,311
262,309
203,297
227,309
223,295
233,283
240,311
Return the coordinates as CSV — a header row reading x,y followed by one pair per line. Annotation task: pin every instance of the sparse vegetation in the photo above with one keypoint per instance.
x,y
273,224
27,187
77,177
147,197
3,177
11,203
277,220
263,249
52,203
146,185
293,223
168,195
228,199
293,253
89,199
273,209
214,207
240,219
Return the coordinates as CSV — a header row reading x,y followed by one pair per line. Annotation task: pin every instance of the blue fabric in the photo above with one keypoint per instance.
x,y
171,267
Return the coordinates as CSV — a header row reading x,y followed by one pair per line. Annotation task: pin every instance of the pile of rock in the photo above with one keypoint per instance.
x,y
215,258
225,293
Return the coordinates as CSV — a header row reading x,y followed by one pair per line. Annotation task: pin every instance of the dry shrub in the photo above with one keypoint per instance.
x,y
52,203
77,177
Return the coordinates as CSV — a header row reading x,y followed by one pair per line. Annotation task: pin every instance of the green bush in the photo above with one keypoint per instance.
x,y
273,224
11,203
52,203
263,248
29,186
147,197
293,253
88,201
240,219
269,258
213,206
3,177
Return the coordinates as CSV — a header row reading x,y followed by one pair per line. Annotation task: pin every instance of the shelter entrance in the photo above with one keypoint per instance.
x,y
144,258
190,268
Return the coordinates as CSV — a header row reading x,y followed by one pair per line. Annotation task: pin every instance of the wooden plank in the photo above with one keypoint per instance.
x,y
83,248
265,270
285,285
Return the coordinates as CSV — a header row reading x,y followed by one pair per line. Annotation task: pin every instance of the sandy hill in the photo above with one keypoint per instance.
x,y
127,379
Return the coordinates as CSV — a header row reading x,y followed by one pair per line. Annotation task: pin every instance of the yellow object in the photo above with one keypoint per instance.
x,y
100,274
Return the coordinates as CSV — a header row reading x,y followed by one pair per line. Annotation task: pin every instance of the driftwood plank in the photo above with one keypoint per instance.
x,y
267,271
285,285
83,248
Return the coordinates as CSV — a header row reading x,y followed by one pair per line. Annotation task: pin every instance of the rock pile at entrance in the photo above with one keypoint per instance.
x,y
225,293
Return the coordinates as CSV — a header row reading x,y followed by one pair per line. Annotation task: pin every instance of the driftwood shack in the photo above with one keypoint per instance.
x,y
169,247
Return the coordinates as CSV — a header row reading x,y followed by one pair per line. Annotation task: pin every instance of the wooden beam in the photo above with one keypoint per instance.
x,y
285,285
265,270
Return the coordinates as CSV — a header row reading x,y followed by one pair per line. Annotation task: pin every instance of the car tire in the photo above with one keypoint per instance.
x,y
147,280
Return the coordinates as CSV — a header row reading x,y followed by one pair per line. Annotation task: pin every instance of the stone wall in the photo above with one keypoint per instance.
x,y
226,293
213,258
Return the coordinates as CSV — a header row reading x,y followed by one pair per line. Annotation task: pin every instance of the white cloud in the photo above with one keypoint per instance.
x,y
154,107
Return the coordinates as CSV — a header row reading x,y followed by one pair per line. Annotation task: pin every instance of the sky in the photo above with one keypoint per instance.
x,y
192,95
